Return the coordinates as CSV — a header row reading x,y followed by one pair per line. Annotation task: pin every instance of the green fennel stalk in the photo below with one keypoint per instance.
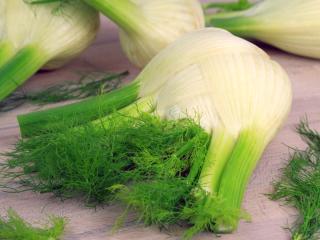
x,y
89,84
124,13
218,155
22,66
89,109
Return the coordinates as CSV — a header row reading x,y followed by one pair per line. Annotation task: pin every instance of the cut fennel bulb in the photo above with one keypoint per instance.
x,y
291,25
231,87
34,37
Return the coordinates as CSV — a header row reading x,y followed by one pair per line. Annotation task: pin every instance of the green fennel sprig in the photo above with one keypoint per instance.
x,y
299,186
92,84
87,160
149,164
15,228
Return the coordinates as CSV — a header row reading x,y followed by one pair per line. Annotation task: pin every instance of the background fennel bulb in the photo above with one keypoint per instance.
x,y
34,37
240,96
162,22
146,27
291,25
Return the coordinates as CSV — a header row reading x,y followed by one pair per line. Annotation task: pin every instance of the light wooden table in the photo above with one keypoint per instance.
x,y
268,218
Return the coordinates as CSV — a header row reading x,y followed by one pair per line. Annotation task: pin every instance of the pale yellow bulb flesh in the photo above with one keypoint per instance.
x,y
166,21
61,36
226,81
291,25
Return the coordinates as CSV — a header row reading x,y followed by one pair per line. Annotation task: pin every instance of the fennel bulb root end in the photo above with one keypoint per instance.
x,y
18,69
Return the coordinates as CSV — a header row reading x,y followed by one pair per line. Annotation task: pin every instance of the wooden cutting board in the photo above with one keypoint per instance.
x,y
268,218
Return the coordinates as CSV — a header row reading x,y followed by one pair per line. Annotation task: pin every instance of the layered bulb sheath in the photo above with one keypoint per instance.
x,y
290,25
240,95
231,87
147,27
34,37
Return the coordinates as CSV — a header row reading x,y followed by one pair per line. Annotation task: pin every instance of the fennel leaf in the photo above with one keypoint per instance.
x,y
89,84
299,186
87,160
15,228
150,165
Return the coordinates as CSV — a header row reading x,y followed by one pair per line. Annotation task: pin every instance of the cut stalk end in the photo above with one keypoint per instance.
x,y
21,67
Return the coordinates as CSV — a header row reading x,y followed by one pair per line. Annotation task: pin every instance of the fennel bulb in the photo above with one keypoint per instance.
x,y
146,27
291,25
34,37
240,96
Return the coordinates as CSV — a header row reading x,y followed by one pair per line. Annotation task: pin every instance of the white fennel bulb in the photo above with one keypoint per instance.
x,y
40,38
146,27
291,25
237,92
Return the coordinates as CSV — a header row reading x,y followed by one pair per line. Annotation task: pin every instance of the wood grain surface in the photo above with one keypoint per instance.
x,y
268,218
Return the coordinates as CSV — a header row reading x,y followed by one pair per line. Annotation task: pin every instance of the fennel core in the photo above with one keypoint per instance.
x,y
206,75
